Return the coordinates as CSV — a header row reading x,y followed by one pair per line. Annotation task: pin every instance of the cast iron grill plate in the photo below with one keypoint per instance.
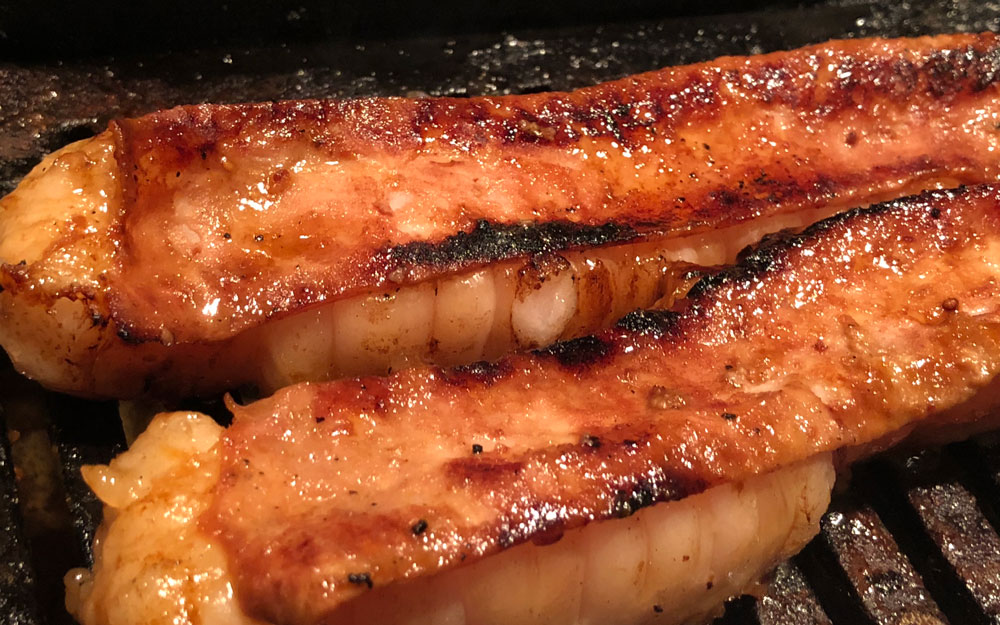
x,y
910,539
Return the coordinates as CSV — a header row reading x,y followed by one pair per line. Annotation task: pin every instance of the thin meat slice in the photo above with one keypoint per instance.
x,y
153,258
848,336
669,564
594,481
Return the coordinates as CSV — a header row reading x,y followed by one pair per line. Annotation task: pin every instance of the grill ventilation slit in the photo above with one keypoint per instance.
x,y
790,600
856,551
18,585
891,485
85,433
979,464
46,521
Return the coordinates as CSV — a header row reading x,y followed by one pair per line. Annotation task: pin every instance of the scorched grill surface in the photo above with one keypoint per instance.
x,y
910,539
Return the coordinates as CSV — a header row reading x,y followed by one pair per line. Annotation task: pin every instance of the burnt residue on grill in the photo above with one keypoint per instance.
x,y
47,542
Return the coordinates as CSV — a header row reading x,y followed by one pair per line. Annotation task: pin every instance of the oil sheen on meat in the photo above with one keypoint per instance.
x,y
676,562
466,494
205,247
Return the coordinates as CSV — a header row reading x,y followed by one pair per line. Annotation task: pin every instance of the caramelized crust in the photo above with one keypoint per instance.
x,y
230,215
194,250
847,336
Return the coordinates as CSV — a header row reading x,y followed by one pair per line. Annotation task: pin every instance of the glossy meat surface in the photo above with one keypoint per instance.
x,y
669,564
847,337
142,261
231,214
319,199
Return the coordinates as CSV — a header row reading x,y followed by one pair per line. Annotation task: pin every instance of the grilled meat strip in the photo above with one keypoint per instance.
x,y
861,329
143,260
668,564
340,499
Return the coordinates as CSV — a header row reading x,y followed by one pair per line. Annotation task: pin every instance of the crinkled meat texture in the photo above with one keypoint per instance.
x,y
233,214
856,331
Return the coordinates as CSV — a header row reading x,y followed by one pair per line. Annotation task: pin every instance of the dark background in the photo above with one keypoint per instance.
x,y
62,29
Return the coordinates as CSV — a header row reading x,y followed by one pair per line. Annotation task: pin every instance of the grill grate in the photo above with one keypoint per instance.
x,y
912,539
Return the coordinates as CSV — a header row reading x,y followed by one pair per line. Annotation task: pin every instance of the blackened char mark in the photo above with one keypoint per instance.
x,y
949,70
490,242
478,373
647,491
769,255
773,249
580,353
654,323
769,252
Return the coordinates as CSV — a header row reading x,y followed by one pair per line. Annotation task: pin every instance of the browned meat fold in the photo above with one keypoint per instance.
x,y
160,256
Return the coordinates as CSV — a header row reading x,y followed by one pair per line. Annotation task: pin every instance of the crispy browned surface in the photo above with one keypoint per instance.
x,y
852,333
232,214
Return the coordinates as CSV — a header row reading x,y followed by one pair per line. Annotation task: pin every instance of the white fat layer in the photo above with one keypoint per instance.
x,y
505,307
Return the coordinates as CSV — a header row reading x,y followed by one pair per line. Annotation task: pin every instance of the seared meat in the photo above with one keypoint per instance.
x,y
408,497
153,258
676,562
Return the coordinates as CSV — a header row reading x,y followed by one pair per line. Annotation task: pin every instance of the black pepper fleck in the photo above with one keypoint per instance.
x,y
360,579
708,585
227,236
477,448
419,527
935,212
728,416
258,237
950,304
657,609
591,441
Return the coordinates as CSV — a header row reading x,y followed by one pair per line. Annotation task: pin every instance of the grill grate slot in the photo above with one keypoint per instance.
x,y
18,587
45,518
950,514
790,600
85,433
855,540
896,486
